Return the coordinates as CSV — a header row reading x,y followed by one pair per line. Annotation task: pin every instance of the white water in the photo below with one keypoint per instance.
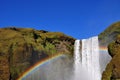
x,y
77,64
86,59
89,63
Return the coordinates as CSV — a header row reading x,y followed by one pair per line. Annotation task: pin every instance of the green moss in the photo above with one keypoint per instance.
x,y
111,49
112,71
109,34
21,48
108,73
50,48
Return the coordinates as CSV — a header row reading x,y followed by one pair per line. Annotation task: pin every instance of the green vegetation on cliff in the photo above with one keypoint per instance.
x,y
111,38
112,71
109,34
20,48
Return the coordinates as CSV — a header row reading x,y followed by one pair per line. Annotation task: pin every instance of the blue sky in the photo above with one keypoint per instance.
x,y
77,18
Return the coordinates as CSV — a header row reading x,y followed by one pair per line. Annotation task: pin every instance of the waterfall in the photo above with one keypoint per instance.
x,y
86,59
77,60
89,63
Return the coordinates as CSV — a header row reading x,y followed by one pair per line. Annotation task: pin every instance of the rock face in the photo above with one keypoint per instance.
x,y
112,71
111,38
20,48
109,34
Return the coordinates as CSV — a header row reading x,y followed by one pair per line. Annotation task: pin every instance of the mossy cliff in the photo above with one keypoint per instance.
x,y
109,34
112,71
20,48
111,38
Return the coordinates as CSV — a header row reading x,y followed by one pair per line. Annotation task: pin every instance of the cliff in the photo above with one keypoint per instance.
x,y
111,38
112,71
109,34
20,48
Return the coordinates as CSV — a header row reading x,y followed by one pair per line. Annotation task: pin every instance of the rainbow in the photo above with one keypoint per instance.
x,y
44,61
103,48
38,64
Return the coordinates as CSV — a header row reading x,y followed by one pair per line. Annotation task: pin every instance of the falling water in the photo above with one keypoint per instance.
x,y
77,64
86,59
89,63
